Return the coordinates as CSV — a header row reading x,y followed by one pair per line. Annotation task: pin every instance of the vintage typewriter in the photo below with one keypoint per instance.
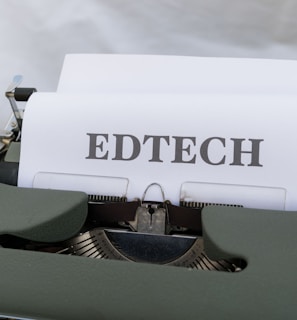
x,y
160,203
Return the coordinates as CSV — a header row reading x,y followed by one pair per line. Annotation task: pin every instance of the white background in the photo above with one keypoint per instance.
x,y
36,34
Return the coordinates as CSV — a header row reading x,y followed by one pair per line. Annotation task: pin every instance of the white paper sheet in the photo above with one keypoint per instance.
x,y
115,73
116,136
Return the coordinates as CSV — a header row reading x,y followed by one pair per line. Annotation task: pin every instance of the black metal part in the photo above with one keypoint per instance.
x,y
184,251
23,94
141,247
9,173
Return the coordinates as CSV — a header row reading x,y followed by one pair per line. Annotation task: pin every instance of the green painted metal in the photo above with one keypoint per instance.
x,y
51,286
40,214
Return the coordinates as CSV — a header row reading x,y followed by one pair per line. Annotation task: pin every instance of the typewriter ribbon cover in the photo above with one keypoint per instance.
x,y
216,148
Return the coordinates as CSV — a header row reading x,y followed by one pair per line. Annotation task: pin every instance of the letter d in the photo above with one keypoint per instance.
x,y
120,147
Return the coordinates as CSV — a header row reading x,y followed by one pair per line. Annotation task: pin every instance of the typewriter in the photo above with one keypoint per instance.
x,y
142,190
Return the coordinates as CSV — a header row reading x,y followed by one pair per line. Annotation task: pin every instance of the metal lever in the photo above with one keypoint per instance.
x,y
151,217
16,81
13,94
